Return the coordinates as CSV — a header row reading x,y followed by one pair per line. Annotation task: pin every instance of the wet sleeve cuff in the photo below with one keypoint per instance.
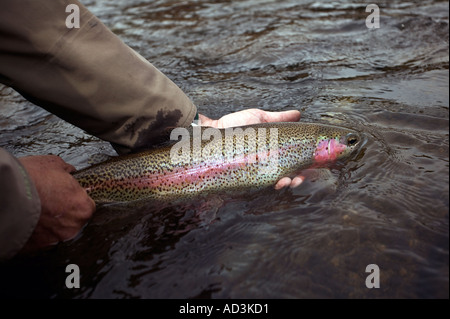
x,y
88,76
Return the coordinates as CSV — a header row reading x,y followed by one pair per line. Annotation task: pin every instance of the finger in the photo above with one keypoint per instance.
x,y
91,207
85,205
284,182
285,116
297,181
69,168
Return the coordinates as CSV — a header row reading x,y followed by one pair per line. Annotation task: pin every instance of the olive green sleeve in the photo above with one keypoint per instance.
x,y
20,206
87,76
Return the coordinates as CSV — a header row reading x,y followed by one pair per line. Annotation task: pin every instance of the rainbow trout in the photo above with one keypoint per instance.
x,y
208,160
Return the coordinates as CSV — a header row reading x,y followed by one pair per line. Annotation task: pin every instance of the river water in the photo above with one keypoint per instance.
x,y
388,207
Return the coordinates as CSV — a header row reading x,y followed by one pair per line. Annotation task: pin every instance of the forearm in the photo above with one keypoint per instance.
x,y
20,206
87,76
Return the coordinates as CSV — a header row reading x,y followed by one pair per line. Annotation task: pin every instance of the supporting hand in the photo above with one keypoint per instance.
x,y
65,205
250,116
255,116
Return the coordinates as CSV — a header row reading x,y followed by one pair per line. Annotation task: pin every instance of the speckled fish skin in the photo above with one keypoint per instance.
x,y
153,175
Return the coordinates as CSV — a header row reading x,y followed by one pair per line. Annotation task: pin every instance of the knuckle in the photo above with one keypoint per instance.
x,y
55,159
88,207
85,211
83,204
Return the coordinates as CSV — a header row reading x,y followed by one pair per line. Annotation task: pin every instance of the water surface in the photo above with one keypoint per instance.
x,y
389,206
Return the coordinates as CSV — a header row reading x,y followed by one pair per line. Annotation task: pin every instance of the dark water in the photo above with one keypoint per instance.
x,y
387,207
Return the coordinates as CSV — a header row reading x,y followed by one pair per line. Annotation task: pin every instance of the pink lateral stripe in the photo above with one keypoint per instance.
x,y
191,175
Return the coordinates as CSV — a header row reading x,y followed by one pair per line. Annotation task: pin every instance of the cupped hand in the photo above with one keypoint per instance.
x,y
65,205
255,116
250,116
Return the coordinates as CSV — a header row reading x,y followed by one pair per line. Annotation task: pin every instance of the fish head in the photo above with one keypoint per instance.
x,y
337,144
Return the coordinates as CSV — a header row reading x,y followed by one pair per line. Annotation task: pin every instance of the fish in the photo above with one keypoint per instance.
x,y
208,160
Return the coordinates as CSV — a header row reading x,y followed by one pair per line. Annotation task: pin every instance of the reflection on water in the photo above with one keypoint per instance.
x,y
387,207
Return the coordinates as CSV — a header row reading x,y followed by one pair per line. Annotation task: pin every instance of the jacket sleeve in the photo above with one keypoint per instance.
x,y
87,76
20,206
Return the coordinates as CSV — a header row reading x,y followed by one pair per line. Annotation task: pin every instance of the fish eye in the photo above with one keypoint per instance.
x,y
352,139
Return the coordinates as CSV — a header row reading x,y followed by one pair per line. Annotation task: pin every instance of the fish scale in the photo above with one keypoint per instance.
x,y
154,174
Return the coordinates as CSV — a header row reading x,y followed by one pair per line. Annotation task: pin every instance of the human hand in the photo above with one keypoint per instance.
x,y
65,205
255,116
250,116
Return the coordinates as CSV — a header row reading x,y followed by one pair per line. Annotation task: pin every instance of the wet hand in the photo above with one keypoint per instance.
x,y
65,205
292,183
255,116
250,116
